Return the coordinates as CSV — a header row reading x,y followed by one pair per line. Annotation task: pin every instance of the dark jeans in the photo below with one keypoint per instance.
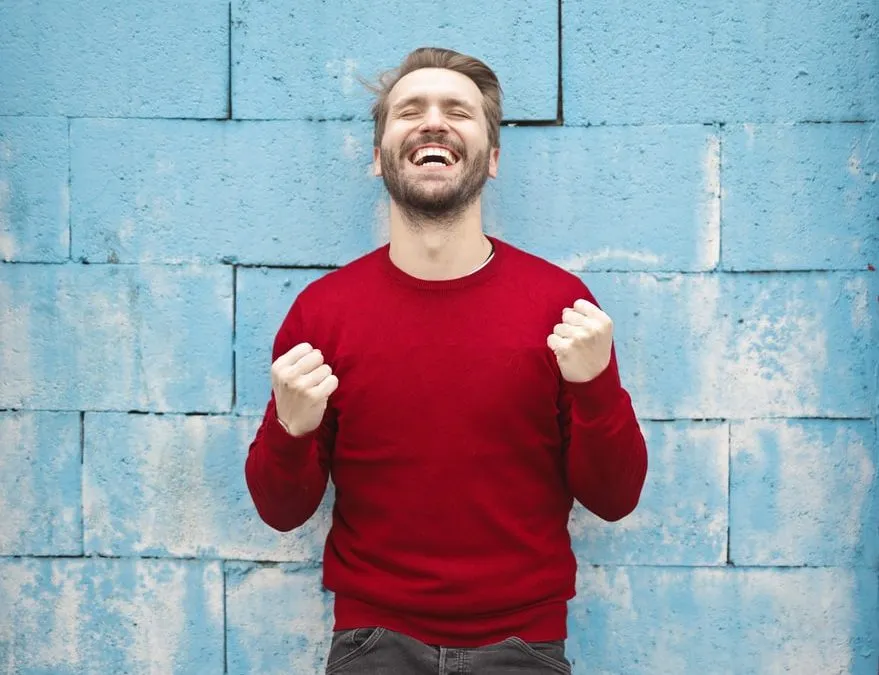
x,y
378,651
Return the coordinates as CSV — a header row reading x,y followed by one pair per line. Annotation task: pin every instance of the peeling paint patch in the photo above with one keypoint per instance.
x,y
174,486
708,216
646,620
110,616
40,484
786,479
273,638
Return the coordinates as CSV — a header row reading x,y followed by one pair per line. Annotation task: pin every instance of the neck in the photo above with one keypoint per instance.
x,y
436,249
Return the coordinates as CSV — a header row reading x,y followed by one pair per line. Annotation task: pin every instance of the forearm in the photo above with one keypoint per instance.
x,y
286,476
606,454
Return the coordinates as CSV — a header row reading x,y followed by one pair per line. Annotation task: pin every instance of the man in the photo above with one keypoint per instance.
x,y
461,393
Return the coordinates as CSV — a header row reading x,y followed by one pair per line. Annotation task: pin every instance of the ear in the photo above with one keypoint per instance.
x,y
376,162
493,158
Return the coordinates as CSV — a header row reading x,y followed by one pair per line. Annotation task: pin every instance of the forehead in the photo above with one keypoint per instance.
x,y
435,83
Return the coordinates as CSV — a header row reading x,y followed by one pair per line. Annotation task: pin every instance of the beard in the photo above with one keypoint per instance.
x,y
434,198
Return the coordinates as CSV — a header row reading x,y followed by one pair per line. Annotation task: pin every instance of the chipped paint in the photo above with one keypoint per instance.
x,y
786,479
18,436
708,215
16,342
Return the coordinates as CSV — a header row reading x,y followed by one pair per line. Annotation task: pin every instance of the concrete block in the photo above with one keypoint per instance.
x,y
682,516
643,620
34,197
742,346
72,617
595,199
787,482
108,337
292,193
40,484
800,197
305,60
174,485
104,58
278,620
708,61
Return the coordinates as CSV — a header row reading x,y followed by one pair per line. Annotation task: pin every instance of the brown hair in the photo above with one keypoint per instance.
x,y
435,57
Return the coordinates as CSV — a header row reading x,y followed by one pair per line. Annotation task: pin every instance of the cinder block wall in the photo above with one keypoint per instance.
x,y
171,174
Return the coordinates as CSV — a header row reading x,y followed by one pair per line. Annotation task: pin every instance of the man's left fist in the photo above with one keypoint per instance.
x,y
582,342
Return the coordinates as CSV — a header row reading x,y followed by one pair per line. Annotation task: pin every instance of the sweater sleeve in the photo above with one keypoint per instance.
x,y
287,476
606,456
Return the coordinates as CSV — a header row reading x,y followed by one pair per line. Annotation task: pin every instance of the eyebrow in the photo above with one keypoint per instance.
x,y
448,102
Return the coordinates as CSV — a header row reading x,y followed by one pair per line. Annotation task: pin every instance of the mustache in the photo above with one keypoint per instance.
x,y
427,139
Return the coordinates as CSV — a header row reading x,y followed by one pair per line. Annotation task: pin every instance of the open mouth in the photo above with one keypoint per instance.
x,y
433,156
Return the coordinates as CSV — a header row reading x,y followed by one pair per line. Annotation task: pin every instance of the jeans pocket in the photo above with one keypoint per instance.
x,y
550,654
349,645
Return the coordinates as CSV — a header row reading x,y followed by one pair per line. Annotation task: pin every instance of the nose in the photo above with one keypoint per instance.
x,y
434,120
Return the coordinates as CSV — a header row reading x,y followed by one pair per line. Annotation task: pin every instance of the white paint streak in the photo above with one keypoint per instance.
x,y
102,318
164,163
673,506
708,214
352,148
582,261
811,476
782,357
127,231
810,617
17,581
36,601
861,319
7,247
7,243
382,222
16,341
172,473
66,616
305,615
777,356
613,587
156,604
19,435
64,219
344,70
5,150
750,132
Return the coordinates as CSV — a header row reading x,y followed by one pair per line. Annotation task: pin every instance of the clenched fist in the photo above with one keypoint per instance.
x,y
582,342
302,384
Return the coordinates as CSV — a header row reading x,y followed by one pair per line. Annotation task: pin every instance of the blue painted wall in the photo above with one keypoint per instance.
x,y
172,174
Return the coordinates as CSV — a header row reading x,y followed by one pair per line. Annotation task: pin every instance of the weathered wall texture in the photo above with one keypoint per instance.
x,y
171,173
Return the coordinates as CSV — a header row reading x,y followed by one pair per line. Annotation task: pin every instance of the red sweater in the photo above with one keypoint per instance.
x,y
454,445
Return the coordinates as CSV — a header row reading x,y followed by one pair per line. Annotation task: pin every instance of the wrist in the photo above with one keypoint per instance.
x,y
284,426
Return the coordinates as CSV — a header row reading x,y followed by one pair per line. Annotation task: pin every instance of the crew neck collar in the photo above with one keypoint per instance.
x,y
479,276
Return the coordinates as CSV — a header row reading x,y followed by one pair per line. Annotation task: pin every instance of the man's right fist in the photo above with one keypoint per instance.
x,y
302,384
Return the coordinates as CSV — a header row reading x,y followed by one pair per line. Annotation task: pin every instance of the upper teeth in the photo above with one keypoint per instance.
x,y
437,152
